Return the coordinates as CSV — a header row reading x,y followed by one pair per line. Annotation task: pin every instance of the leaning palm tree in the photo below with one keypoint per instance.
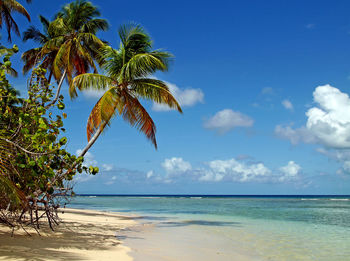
x,y
127,79
33,56
74,41
6,9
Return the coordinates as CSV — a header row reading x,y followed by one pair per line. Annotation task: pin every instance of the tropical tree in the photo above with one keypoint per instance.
x,y
6,9
35,169
33,56
73,41
6,64
127,79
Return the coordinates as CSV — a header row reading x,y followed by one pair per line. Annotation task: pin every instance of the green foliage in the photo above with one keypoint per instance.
x,y
35,166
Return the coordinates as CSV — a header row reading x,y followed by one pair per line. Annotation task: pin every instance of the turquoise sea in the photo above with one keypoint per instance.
x,y
260,227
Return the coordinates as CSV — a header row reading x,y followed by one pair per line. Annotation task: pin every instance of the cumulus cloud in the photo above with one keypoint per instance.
x,y
226,120
330,120
290,171
288,105
328,123
185,97
176,170
235,171
230,170
176,165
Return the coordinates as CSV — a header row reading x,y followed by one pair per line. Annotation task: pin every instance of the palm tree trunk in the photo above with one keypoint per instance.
x,y
92,140
50,76
58,89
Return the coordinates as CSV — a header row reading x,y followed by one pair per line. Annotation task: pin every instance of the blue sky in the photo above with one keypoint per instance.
x,y
264,87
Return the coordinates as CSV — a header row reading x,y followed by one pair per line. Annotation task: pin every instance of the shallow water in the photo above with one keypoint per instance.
x,y
264,228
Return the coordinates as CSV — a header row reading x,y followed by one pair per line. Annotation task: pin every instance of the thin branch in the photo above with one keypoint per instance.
x,y
58,89
27,151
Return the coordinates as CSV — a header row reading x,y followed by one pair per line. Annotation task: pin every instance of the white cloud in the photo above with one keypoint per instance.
x,y
295,136
340,155
235,171
176,165
290,171
150,174
328,123
288,105
185,97
93,94
176,169
226,120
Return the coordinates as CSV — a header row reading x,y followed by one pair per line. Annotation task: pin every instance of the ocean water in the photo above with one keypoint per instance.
x,y
263,228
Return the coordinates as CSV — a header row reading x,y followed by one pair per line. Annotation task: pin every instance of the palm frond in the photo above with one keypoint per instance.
x,y
95,25
15,6
111,60
133,112
141,65
134,38
154,90
61,59
88,81
90,38
45,23
102,112
34,34
58,28
121,102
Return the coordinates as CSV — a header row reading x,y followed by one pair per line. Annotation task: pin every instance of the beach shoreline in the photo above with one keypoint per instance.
x,y
102,235
82,235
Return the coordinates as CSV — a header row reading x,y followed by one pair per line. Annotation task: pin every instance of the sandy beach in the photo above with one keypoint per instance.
x,y
96,235
83,235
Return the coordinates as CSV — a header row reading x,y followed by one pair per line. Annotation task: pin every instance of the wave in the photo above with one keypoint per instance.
x,y
339,199
310,199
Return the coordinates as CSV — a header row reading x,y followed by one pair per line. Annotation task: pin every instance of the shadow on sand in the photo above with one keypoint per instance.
x,y
52,245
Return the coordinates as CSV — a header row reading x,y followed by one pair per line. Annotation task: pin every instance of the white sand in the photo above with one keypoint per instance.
x,y
83,235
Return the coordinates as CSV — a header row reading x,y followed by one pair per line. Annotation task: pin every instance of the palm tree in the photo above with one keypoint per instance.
x,y
74,41
128,79
6,9
32,56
